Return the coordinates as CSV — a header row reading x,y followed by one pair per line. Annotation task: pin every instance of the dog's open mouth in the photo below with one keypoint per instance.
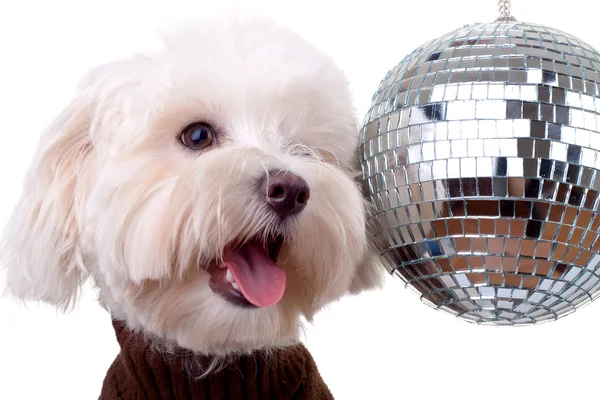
x,y
248,275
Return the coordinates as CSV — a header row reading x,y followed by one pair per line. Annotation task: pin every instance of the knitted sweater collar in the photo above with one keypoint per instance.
x,y
142,371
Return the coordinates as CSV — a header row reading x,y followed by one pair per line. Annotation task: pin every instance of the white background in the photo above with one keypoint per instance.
x,y
380,345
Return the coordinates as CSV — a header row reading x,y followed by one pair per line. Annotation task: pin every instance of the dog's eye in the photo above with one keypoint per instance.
x,y
198,136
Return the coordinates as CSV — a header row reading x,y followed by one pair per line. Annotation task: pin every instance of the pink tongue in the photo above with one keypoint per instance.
x,y
261,281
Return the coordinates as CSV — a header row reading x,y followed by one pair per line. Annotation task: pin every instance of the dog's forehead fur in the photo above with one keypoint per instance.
x,y
258,84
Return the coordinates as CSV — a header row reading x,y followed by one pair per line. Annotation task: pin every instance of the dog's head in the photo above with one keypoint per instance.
x,y
207,189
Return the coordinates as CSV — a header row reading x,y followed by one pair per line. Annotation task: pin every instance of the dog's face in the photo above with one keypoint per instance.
x,y
207,189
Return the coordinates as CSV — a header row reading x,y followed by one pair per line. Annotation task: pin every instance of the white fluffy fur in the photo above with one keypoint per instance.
x,y
113,195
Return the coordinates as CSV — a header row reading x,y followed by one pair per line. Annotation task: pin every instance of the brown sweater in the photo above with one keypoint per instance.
x,y
142,372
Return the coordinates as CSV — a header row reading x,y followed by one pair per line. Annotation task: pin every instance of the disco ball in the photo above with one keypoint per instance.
x,y
480,155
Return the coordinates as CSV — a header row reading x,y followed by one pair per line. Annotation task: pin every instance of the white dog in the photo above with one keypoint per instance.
x,y
207,189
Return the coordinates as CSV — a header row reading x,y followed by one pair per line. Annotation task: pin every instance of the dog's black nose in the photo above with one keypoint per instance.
x,y
286,192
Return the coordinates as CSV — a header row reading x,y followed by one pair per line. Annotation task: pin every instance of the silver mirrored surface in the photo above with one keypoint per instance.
x,y
480,155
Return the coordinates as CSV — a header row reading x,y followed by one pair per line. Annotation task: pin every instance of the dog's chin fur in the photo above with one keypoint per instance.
x,y
113,195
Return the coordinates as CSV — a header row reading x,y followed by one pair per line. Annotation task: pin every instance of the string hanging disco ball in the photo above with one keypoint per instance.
x,y
480,153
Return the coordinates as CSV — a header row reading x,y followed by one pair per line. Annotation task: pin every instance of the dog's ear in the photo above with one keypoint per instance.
x,y
369,273
40,247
